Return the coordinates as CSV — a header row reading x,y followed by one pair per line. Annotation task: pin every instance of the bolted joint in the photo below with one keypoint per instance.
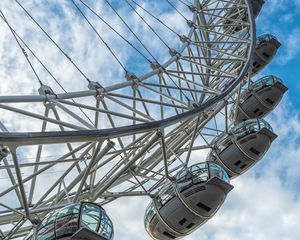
x,y
4,151
193,8
193,105
204,115
87,156
185,39
190,23
94,85
134,168
226,102
174,53
47,91
111,144
157,66
98,88
160,133
172,179
130,76
35,220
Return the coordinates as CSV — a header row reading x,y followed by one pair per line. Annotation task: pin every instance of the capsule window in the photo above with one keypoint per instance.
x,y
169,235
256,65
256,110
266,55
242,167
238,163
203,206
90,217
269,101
200,188
254,151
190,225
182,221
191,192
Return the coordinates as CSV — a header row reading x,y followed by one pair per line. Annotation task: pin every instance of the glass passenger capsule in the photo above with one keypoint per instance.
x,y
181,207
258,100
243,145
79,221
256,6
235,13
266,48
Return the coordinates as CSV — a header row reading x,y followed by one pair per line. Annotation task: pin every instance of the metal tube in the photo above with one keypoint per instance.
x,y
97,157
103,187
21,184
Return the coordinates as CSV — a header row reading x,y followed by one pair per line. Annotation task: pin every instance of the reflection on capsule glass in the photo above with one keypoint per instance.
x,y
78,221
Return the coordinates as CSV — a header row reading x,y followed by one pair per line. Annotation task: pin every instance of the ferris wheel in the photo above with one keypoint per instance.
x,y
170,112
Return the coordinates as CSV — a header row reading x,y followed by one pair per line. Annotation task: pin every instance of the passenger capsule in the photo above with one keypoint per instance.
x,y
181,207
257,6
258,100
265,50
80,221
243,145
237,13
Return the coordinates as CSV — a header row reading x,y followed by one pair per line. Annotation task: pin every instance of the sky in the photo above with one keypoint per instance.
x,y
265,202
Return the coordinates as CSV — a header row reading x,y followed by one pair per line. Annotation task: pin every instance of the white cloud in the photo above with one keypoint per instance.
x,y
291,47
263,204
258,208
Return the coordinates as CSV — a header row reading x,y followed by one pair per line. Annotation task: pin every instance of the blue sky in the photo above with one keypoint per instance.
x,y
265,203
282,19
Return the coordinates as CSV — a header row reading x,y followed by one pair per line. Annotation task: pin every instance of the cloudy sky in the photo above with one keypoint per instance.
x,y
265,202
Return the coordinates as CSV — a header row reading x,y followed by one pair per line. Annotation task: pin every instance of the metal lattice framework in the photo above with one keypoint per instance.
x,y
126,138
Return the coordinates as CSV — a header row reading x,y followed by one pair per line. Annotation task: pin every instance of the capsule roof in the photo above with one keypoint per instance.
x,y
76,221
267,38
265,81
242,128
201,172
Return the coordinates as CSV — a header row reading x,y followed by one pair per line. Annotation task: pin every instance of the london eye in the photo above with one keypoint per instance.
x,y
124,99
